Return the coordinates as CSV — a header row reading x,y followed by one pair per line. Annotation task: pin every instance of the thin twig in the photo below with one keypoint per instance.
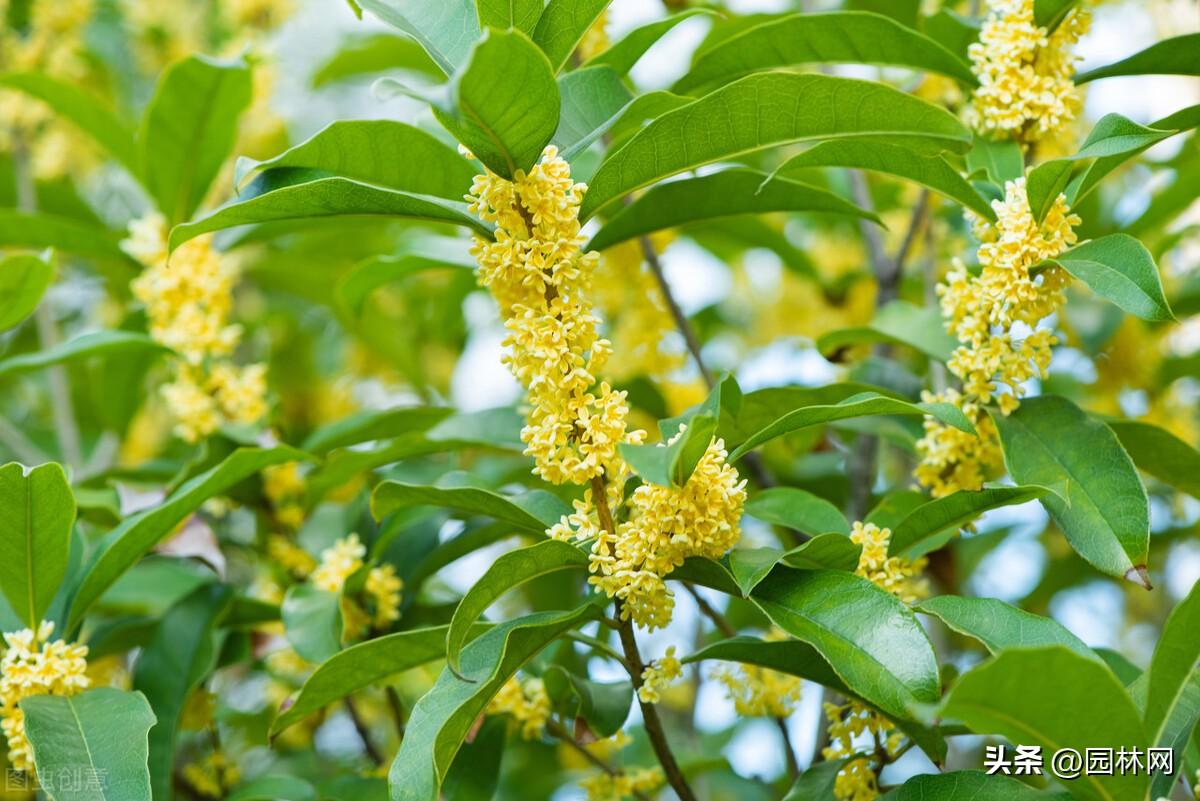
x,y
363,733
597,645
930,280
554,728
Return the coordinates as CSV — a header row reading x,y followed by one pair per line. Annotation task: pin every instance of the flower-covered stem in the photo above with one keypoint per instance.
x,y
364,734
556,730
63,409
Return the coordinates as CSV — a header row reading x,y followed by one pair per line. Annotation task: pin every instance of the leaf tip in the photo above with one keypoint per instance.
x,y
1138,574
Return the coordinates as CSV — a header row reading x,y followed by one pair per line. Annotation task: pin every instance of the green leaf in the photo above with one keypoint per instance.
x,y
100,733
274,788
871,639
442,718
357,284
504,103
373,424
1119,268
835,37
830,551
382,153
863,405
605,706
1053,698
933,172
1182,120
1103,510
1175,56
952,31
965,784
312,621
817,782
122,547
66,234
797,509
506,573
1160,453
918,533
562,26
182,652
722,194
672,464
535,510
1173,684
999,625
475,773
106,344
88,113
37,511
381,52
286,195
24,278
520,14
1049,14
445,28
770,109
188,130
593,100
899,323
623,55
360,666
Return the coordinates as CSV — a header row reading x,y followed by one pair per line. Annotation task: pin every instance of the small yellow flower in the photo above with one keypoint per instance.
x,y
897,575
338,563
526,702
292,558
659,675
758,691
213,776
857,780
383,585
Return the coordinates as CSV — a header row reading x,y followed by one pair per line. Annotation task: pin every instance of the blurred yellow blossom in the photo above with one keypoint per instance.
x,y
338,563
213,776
526,702
758,691
658,675
383,585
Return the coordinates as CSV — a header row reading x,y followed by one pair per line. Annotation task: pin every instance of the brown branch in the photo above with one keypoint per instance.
x,y
363,733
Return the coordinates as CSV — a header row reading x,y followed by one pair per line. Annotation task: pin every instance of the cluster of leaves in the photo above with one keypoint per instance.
x,y
360,235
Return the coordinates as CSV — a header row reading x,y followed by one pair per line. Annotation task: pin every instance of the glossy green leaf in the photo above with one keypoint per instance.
x,y
817,782
180,655
37,511
374,424
360,666
797,509
933,172
280,787
623,55
357,284
672,463
871,639
82,108
952,31
99,344
964,784
535,510
769,109
189,129
603,705
65,234
312,621
445,28
101,733
506,573
370,55
1119,268
707,573
835,37
1049,14
383,153
442,718
1160,453
1000,160
830,551
1053,698
520,14
862,405
563,25
1173,684
1175,56
1103,510
900,323
122,547
593,99
24,278
999,625
1182,120
919,532
504,103
286,195
722,194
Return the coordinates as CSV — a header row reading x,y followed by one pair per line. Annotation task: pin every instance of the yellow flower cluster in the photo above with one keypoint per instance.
x,y
526,702
623,784
658,675
1025,73
292,558
898,575
857,780
285,489
52,44
213,776
640,322
540,277
595,40
189,301
35,665
758,691
384,586
342,560
338,562
986,314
